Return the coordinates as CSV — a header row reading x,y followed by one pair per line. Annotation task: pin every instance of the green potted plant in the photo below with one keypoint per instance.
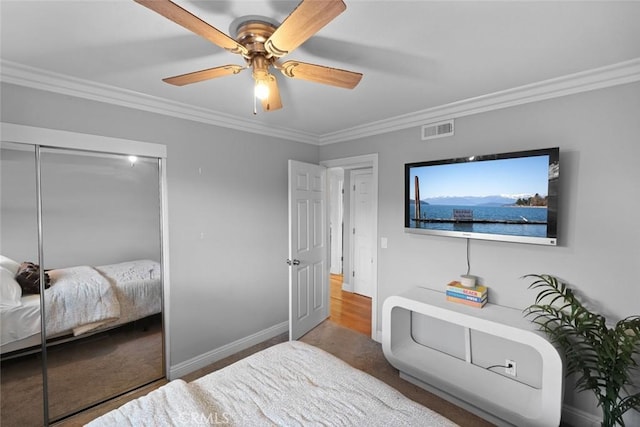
x,y
604,358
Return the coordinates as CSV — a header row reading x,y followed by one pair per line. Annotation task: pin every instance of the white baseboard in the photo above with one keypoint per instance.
x,y
453,399
198,362
347,287
571,416
574,417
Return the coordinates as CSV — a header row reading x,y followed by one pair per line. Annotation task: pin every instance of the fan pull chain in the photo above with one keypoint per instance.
x,y
255,106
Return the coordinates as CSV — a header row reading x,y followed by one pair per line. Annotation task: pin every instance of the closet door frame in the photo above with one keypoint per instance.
x,y
52,138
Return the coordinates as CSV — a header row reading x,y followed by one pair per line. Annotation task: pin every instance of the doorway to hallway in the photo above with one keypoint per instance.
x,y
341,240
349,309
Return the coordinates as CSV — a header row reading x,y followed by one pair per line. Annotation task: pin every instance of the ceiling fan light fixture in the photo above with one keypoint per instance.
x,y
262,41
261,76
261,89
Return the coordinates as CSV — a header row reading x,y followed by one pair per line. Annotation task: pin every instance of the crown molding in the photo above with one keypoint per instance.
x,y
36,78
597,78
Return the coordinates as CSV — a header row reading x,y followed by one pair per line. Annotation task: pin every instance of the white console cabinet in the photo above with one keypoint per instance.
x,y
456,375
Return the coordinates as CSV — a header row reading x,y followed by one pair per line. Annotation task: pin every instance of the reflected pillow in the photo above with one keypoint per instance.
x,y
28,277
9,264
10,291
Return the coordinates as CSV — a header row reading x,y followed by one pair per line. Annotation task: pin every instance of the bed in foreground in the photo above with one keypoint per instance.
x,y
289,384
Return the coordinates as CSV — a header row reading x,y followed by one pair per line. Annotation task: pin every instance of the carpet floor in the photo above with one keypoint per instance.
x,y
80,373
354,348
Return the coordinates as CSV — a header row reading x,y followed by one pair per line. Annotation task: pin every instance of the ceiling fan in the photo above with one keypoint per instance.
x,y
262,42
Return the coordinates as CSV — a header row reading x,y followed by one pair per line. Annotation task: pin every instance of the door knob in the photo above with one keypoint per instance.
x,y
294,262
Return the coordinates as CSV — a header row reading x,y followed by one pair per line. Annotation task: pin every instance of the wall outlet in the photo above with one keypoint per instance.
x,y
510,367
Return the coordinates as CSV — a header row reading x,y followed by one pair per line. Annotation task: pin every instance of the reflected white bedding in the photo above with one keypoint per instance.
x,y
289,384
78,296
85,298
138,288
21,321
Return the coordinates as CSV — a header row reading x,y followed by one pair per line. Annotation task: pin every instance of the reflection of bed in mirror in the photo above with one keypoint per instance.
x,y
82,300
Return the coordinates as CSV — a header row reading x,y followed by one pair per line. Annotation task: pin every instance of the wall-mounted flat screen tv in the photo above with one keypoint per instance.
x,y
510,197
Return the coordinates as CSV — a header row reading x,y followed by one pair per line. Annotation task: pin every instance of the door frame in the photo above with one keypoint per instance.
x,y
356,162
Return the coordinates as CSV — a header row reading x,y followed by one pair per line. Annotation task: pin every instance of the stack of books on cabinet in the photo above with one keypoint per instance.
x,y
473,297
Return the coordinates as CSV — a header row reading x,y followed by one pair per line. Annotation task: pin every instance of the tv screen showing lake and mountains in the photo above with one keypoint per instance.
x,y
505,196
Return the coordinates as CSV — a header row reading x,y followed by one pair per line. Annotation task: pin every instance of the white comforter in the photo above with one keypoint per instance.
x,y
79,296
138,287
84,298
290,384
79,299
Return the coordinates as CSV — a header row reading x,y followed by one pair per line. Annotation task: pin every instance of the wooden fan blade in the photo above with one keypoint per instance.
x,y
180,16
320,74
198,76
305,20
272,102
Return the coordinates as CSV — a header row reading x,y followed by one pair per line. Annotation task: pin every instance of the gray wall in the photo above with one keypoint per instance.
x,y
598,251
233,282
18,208
96,210
226,186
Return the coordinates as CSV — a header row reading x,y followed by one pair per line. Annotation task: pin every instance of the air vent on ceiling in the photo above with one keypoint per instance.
x,y
437,130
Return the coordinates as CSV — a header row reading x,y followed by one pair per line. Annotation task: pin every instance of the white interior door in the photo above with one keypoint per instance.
x,y
362,232
308,248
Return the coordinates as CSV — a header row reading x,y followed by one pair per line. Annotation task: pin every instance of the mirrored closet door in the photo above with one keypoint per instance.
x,y
97,278
101,245
21,379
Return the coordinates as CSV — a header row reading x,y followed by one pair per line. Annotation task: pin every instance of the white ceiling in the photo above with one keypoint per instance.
x,y
415,55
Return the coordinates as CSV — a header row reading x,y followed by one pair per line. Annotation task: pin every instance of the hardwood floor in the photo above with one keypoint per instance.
x,y
349,309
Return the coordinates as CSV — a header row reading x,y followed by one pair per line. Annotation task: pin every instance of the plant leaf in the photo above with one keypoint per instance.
x,y
603,358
